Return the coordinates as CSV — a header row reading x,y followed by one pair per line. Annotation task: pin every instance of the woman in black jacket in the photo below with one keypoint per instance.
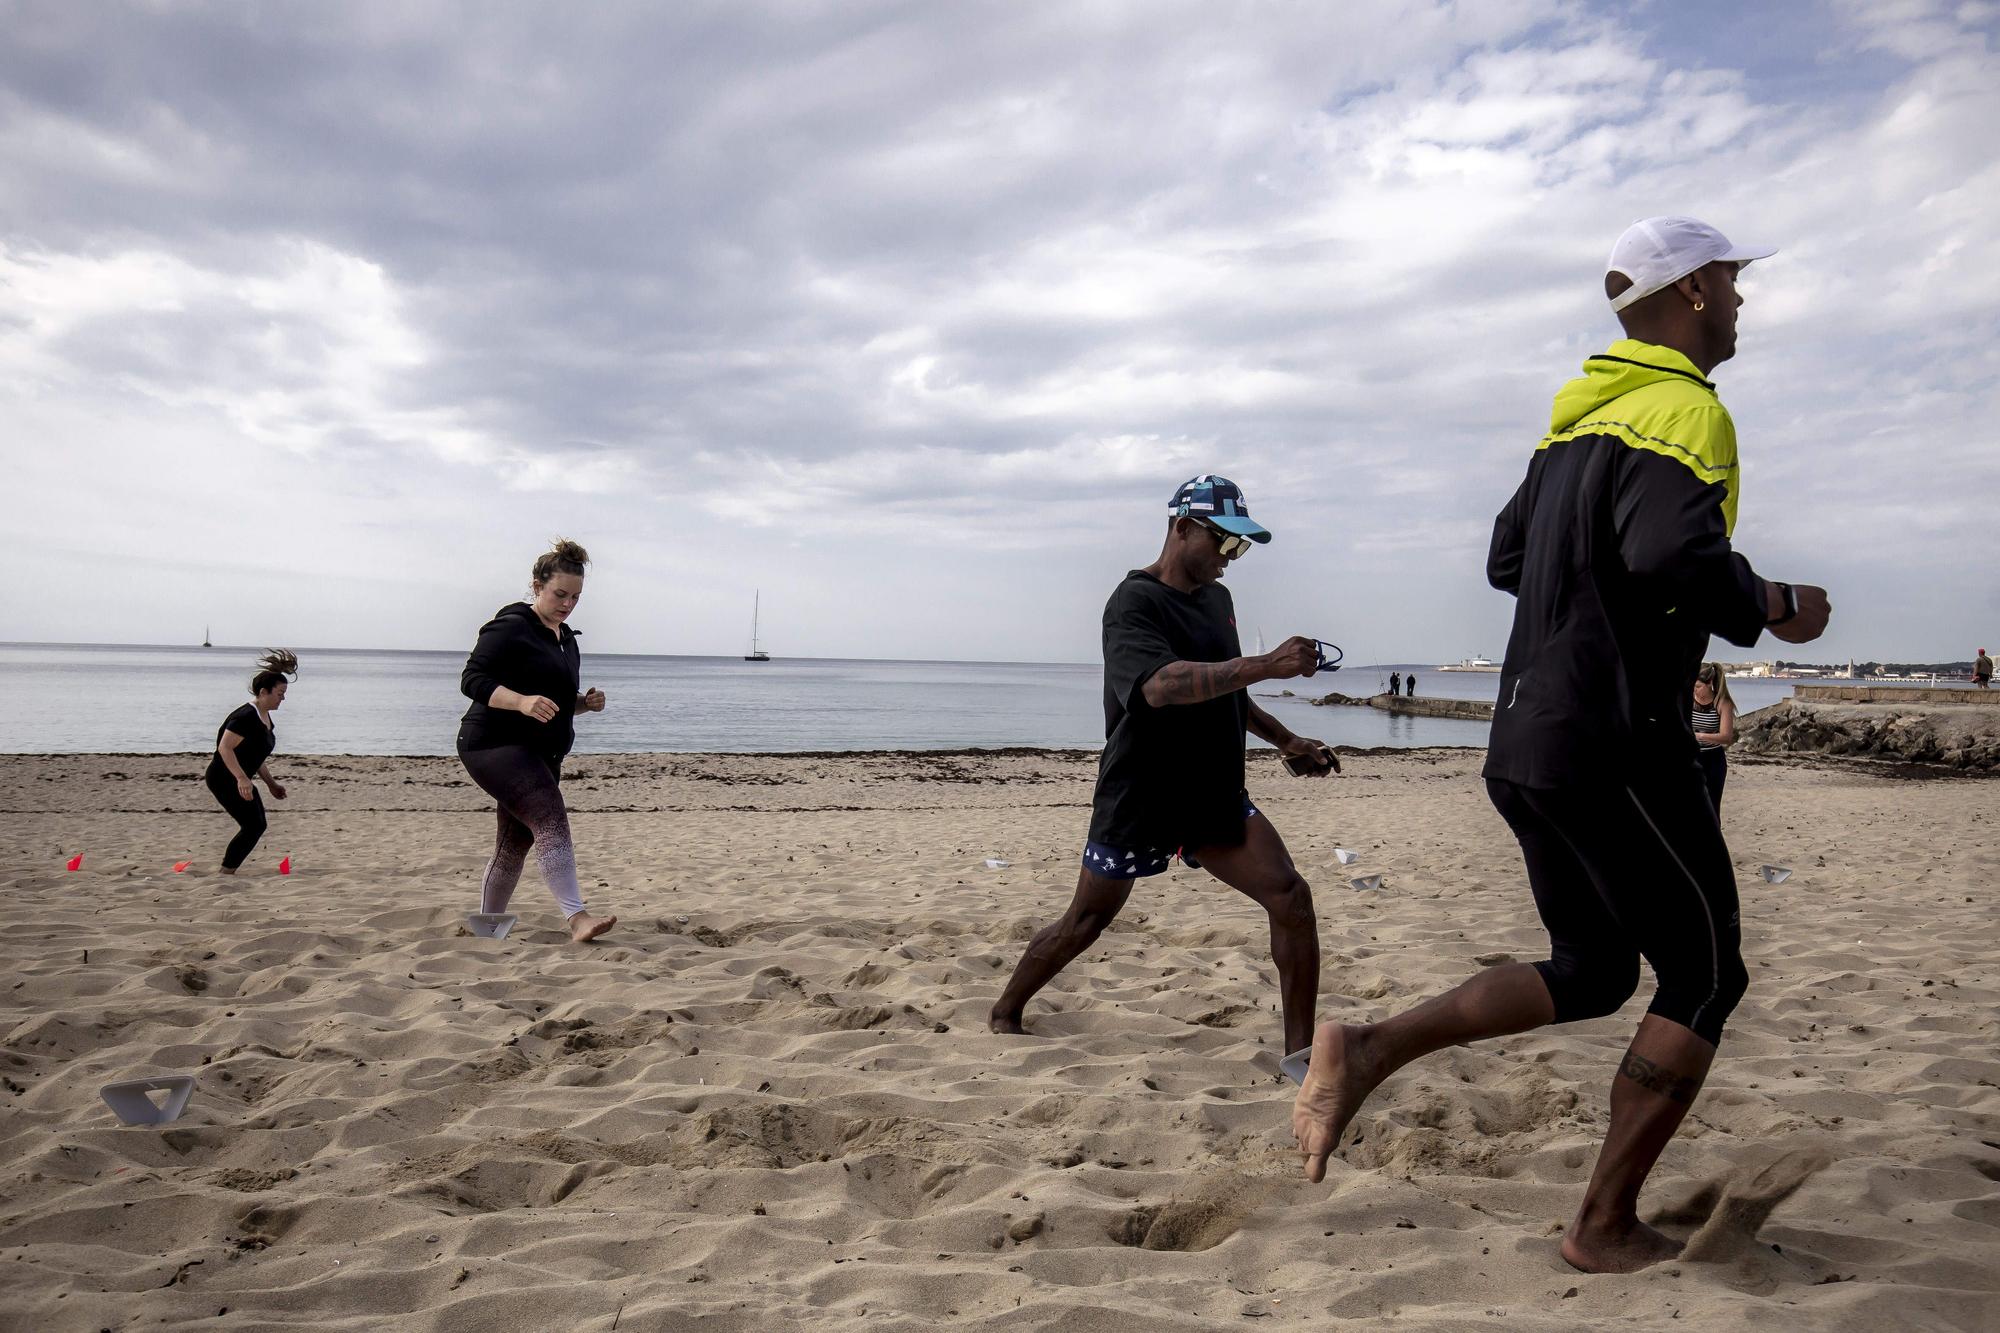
x,y
243,747
523,677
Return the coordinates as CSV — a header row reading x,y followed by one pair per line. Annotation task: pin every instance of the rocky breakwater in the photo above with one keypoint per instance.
x,y
1403,705
1963,737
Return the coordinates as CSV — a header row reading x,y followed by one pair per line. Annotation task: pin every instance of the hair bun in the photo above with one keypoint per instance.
x,y
565,557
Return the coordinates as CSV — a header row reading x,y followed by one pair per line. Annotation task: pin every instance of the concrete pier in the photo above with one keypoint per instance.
x,y
1402,705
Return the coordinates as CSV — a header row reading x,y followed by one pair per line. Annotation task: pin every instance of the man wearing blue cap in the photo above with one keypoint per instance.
x,y
1176,707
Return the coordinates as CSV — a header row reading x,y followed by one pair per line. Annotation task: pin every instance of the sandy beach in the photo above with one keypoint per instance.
x,y
769,1099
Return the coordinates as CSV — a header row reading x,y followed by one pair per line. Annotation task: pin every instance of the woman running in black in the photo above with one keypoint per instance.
x,y
1713,718
523,677
243,747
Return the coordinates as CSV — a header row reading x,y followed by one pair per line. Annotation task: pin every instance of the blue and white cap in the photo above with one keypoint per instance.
x,y
1216,500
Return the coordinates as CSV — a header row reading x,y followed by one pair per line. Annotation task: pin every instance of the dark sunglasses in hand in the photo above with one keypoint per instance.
x,y
1330,656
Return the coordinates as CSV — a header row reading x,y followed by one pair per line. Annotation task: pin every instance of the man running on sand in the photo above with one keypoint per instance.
x,y
1171,777
1616,547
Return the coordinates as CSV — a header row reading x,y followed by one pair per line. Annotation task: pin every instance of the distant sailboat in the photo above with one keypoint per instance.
x,y
755,654
204,638
1260,642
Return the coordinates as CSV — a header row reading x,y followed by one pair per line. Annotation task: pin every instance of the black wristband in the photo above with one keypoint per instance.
x,y
1791,596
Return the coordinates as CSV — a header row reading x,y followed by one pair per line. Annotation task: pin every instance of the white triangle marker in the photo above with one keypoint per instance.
x,y
492,925
995,863
1775,874
1367,882
129,1102
1345,857
1294,1065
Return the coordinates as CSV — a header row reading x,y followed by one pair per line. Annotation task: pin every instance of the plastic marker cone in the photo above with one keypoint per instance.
x,y
492,925
179,866
1367,882
131,1099
1294,1065
1345,857
285,866
1775,874
75,862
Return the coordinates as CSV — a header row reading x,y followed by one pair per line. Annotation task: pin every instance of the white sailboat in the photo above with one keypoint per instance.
x,y
756,654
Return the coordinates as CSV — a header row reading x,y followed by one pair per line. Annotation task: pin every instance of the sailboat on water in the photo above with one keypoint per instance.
x,y
756,654
204,638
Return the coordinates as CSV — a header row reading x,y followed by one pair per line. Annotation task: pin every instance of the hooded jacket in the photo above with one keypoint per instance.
x,y
1616,548
517,650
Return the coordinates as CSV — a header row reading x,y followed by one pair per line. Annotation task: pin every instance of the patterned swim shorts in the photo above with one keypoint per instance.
x,y
1108,862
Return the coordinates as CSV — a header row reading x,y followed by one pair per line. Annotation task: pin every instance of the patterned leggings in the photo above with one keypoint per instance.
x,y
531,814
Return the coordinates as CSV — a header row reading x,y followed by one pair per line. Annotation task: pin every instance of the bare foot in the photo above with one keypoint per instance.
x,y
1007,1025
1625,1249
583,926
1343,1072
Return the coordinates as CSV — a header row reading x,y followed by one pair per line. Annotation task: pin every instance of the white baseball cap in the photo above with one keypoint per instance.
x,y
1656,252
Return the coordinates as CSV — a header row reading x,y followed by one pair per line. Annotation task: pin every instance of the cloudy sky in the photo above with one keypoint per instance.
x,y
317,321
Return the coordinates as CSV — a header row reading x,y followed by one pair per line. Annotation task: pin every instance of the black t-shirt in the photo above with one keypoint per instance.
x,y
256,746
1172,776
517,650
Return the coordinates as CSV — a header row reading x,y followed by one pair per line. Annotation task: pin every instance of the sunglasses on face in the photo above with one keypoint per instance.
x,y
1231,544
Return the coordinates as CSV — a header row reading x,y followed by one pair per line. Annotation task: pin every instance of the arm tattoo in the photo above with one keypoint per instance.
x,y
1674,1087
1194,682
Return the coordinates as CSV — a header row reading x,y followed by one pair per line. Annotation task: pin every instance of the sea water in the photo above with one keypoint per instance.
x,y
137,699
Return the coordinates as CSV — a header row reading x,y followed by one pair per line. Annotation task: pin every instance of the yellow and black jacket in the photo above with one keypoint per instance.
x,y
1616,548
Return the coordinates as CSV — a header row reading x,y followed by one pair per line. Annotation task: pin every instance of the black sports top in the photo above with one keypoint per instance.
x,y
1169,777
517,650
257,745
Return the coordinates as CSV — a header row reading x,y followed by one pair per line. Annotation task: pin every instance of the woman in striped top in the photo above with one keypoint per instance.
x,y
1714,721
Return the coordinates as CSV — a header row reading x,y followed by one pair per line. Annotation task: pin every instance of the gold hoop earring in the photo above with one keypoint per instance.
x,y
1699,307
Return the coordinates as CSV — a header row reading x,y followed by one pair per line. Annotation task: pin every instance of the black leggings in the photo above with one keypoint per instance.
x,y
249,816
1715,772
1622,870
531,814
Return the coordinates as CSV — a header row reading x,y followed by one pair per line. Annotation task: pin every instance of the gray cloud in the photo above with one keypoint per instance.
x,y
892,306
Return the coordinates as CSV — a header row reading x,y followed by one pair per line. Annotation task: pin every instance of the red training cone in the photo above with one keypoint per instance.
x,y
179,866
76,862
285,866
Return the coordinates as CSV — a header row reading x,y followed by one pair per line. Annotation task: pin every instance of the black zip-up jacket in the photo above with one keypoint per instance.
x,y
517,650
1616,547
